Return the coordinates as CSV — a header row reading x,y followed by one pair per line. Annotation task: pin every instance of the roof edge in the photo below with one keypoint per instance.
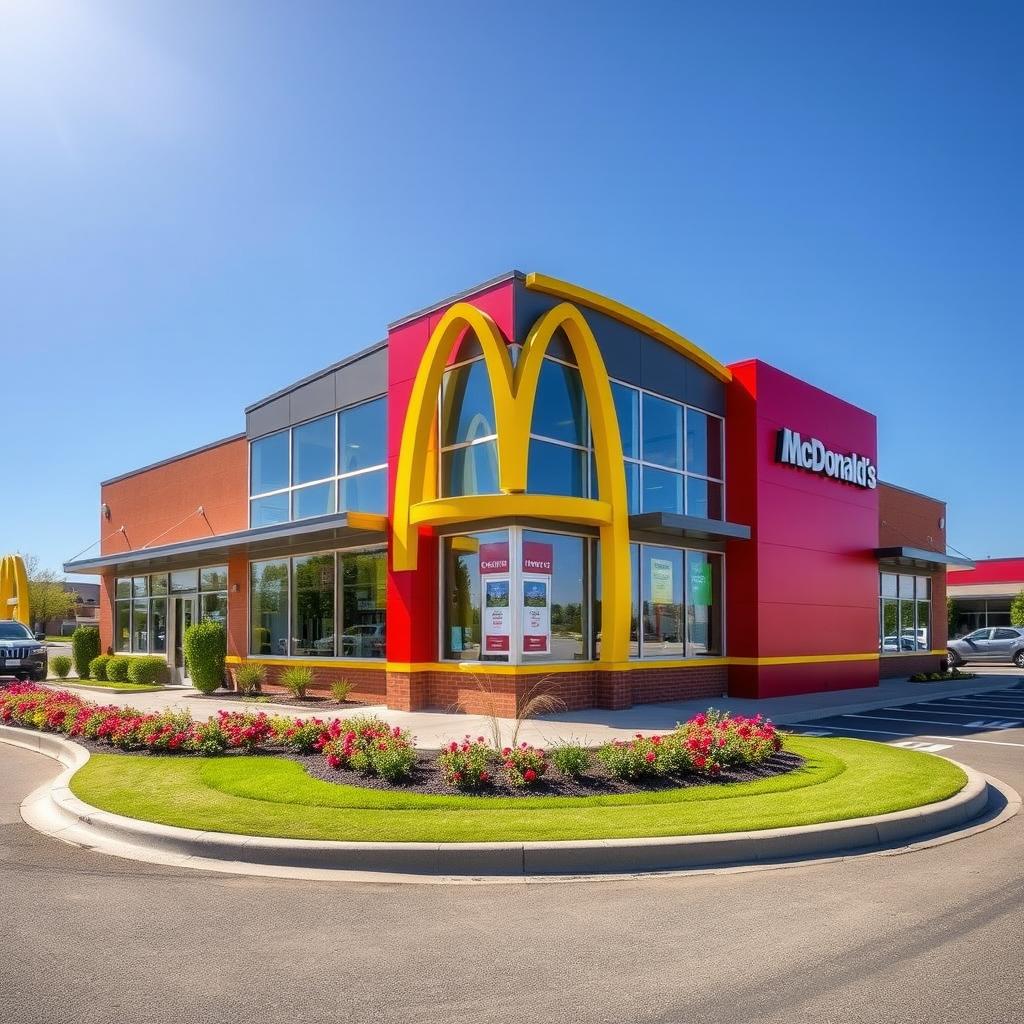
x,y
173,458
509,275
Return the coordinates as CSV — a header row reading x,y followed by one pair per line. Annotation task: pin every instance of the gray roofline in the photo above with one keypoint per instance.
x,y
173,458
361,354
917,494
509,275
688,526
935,558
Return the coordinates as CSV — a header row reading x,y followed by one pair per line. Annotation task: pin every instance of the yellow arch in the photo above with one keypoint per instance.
x,y
14,590
514,392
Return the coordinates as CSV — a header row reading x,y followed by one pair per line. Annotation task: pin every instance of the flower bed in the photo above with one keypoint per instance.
x,y
365,750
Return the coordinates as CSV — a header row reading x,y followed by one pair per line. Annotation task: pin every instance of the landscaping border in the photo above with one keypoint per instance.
x,y
54,810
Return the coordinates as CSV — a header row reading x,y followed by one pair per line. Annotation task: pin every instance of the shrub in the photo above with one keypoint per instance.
x,y
340,690
117,668
465,765
304,736
297,679
147,670
639,758
368,744
98,667
571,759
524,765
61,665
204,646
249,678
85,645
245,729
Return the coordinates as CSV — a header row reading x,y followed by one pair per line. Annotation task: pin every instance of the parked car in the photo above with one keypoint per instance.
x,y
994,643
364,641
890,644
22,652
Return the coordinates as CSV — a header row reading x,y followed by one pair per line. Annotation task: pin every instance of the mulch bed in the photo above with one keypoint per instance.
x,y
311,703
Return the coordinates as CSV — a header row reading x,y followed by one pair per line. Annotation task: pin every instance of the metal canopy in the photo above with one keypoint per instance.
x,y
920,558
674,526
347,529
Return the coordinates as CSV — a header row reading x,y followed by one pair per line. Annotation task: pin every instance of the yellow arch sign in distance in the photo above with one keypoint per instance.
x,y
14,589
514,392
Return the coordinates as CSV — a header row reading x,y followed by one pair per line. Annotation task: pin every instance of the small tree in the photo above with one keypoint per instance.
x,y
204,646
1017,610
48,596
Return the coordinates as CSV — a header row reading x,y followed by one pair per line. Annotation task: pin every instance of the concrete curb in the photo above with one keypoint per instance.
x,y
54,810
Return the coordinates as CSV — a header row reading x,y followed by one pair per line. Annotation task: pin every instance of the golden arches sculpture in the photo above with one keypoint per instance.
x,y
14,589
514,392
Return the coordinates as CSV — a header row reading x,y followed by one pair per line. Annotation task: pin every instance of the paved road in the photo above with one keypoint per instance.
x,y
934,936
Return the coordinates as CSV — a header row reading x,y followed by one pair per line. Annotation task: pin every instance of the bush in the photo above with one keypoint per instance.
x,y
340,690
85,645
465,765
571,759
368,744
304,736
639,758
61,665
297,680
249,678
117,668
524,765
98,667
245,729
204,646
148,670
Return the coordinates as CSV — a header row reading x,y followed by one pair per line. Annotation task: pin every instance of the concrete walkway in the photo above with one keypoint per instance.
x,y
431,729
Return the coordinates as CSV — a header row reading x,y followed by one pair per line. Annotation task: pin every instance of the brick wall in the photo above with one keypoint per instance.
x,y
368,684
903,665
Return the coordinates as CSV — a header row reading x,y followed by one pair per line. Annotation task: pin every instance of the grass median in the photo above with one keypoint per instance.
x,y
266,796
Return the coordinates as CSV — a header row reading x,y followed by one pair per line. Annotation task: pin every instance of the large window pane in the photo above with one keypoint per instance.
x,y
634,618
364,492
554,611
313,451
703,604
268,459
123,626
703,444
703,499
158,584
663,580
123,588
890,643
140,626
363,604
140,586
268,607
627,410
184,581
317,500
268,511
555,469
214,607
313,607
363,435
464,635
924,625
663,432
559,409
662,491
213,577
158,624
908,632
467,409
888,585
470,470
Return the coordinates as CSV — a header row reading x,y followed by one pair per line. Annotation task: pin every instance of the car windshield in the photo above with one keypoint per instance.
x,y
15,631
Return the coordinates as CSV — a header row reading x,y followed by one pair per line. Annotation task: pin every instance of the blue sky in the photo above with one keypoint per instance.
x,y
200,202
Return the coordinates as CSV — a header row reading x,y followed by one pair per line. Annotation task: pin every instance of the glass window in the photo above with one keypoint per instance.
x,y
317,500
632,487
467,408
184,580
158,624
313,451
905,586
555,469
268,511
214,607
663,432
158,584
553,586
924,625
214,577
470,470
313,606
471,595
703,444
123,588
703,603
662,491
662,580
123,629
888,585
703,498
627,409
890,626
268,607
269,463
363,604
364,492
559,409
924,588
908,634
140,586
140,626
363,435
634,619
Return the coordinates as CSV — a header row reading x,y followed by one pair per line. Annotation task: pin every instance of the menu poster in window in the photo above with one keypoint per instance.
x,y
661,581
536,614
497,615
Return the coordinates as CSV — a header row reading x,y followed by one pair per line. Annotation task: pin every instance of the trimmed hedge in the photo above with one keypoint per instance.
x,y
98,667
61,665
85,645
148,670
204,646
117,668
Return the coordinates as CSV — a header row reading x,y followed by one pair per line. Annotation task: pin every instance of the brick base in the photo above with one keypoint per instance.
x,y
909,665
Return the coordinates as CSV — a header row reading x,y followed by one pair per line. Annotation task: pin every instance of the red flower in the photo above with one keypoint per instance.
x,y
650,757
529,775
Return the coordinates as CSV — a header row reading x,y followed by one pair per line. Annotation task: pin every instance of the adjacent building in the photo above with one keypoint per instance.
x,y
982,596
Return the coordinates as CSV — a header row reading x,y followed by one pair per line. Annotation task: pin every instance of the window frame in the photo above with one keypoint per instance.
x,y
899,600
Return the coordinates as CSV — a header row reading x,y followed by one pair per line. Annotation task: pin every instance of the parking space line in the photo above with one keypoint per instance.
x,y
932,721
930,748
965,713
932,736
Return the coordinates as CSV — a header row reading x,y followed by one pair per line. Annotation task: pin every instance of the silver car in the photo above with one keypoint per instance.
x,y
994,643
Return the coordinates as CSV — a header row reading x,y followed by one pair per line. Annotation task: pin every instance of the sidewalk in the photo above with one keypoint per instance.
x,y
594,726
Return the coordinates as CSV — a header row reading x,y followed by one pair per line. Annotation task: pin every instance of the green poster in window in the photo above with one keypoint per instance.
x,y
700,583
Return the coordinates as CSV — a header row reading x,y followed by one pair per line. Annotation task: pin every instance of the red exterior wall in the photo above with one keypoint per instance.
x,y
991,570
805,584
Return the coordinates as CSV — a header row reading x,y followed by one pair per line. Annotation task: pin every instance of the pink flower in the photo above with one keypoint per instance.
x,y
650,757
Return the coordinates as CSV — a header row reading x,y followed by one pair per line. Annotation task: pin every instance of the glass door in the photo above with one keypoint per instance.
x,y
184,616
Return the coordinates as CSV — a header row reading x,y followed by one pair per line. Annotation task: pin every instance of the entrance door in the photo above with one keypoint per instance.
x,y
184,616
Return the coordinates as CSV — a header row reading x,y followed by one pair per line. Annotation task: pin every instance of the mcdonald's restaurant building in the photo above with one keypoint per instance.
x,y
531,484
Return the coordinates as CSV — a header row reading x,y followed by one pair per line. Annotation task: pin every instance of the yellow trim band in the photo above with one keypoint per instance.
x,y
630,317
805,659
342,663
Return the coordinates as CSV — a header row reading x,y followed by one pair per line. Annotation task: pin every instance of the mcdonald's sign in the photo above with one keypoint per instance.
x,y
14,589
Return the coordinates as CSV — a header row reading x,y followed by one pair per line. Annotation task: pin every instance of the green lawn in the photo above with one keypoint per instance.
x,y
105,685
267,796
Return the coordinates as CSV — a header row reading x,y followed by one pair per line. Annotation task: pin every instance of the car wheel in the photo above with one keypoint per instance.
x,y
1018,659
954,659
